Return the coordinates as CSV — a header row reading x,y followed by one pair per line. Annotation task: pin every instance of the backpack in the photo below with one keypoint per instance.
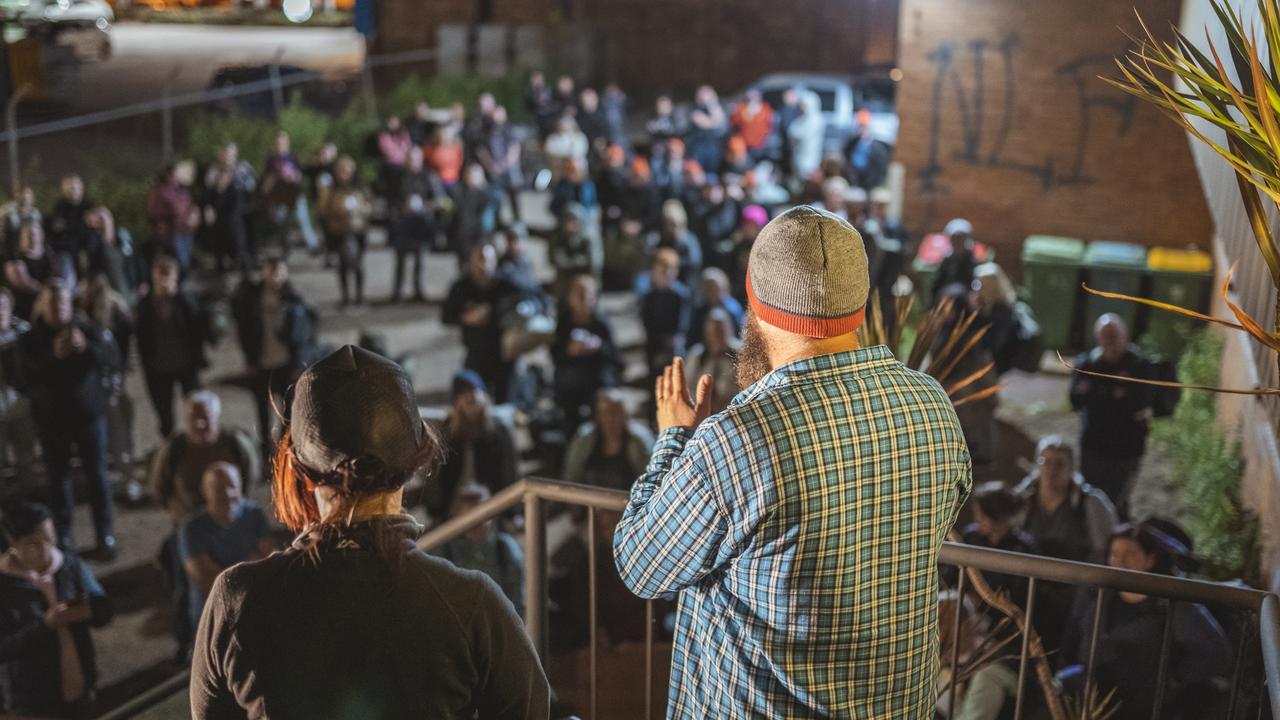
x,y
1027,346
312,349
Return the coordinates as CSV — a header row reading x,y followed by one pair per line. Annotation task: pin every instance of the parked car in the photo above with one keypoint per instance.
x,y
260,104
840,96
328,93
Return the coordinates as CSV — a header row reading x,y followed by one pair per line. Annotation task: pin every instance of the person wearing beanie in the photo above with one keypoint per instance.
x,y
479,448
801,525
353,620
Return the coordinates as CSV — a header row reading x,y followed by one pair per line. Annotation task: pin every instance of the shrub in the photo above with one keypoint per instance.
x,y
125,196
350,129
444,90
1206,469
308,128
212,130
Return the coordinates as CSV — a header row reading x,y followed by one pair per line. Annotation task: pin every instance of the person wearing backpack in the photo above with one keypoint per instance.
x,y
68,360
486,548
176,472
1009,336
1066,518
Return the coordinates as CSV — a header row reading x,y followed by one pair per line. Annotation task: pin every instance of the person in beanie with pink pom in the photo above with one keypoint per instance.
x,y
801,525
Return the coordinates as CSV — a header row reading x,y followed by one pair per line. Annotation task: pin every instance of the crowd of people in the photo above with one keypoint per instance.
x,y
669,215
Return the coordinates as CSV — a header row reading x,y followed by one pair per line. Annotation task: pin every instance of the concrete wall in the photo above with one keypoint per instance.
x,y
1004,122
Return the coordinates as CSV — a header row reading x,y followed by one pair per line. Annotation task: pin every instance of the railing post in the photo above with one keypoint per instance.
x,y
1087,701
648,659
166,115
535,571
1269,627
1246,634
593,616
1166,641
955,643
366,84
277,88
11,124
1027,619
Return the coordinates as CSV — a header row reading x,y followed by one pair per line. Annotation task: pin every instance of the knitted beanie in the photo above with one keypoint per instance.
x,y
807,274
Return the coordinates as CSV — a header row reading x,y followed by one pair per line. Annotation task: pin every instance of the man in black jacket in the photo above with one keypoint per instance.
x,y
1114,415
68,360
477,302
415,204
171,334
275,330
66,225
353,620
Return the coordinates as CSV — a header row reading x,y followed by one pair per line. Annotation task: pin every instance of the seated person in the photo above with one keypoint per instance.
x,y
48,601
994,685
177,469
995,508
1065,516
715,295
611,451
583,351
479,447
716,356
1127,656
487,548
231,529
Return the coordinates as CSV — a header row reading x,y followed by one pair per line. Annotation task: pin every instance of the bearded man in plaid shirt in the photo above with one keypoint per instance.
x,y
801,526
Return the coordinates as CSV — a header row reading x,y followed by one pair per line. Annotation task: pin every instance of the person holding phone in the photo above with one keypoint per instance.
x,y
48,601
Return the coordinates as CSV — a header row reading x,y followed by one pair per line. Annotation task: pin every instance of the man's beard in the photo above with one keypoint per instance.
x,y
752,362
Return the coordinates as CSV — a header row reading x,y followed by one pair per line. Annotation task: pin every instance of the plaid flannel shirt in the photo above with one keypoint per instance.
x,y
801,527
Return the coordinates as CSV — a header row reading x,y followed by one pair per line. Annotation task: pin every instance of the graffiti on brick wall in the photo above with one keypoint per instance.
x,y
963,94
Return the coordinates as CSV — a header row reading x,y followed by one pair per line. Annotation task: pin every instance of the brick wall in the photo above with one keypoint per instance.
x,y
1004,122
654,46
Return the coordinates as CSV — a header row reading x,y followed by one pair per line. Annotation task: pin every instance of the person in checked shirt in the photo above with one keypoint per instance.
x,y
801,526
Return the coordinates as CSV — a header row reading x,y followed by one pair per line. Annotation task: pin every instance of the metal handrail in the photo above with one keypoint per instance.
x,y
150,698
534,491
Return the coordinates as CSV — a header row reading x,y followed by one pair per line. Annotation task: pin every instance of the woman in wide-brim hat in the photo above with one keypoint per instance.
x,y
352,620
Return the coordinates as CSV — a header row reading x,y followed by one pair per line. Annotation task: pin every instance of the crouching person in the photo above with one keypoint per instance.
x,y
48,601
229,530
353,620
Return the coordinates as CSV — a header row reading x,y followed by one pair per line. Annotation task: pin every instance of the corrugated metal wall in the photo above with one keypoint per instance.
x,y
1247,363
